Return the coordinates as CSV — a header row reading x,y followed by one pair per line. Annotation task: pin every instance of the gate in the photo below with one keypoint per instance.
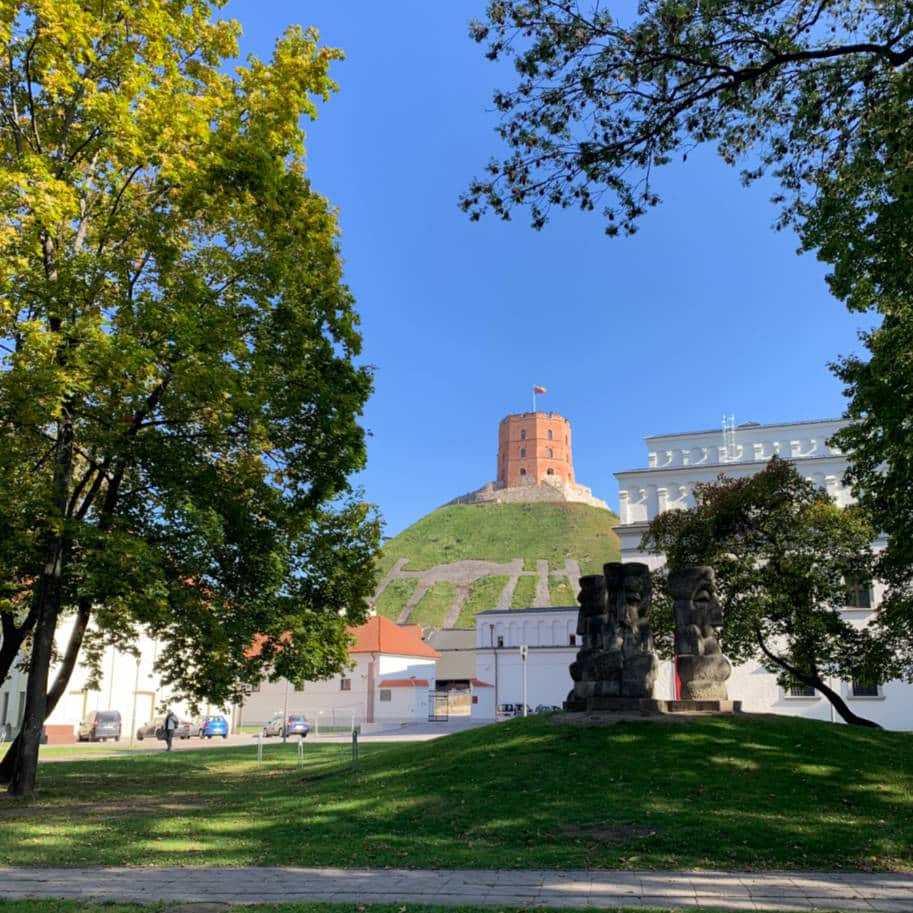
x,y
438,707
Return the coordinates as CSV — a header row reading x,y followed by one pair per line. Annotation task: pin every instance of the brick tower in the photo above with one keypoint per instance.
x,y
534,447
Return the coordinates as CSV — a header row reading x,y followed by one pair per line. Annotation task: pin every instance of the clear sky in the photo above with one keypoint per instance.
x,y
706,310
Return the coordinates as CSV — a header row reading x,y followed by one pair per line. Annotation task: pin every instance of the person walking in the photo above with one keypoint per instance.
x,y
171,723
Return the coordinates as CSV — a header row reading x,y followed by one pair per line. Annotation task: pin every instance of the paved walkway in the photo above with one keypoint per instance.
x,y
599,890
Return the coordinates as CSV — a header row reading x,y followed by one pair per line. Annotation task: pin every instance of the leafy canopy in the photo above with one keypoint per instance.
x,y
794,86
179,397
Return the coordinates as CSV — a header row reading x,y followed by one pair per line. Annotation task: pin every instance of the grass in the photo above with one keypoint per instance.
x,y
433,607
502,532
483,595
395,596
524,593
723,792
561,591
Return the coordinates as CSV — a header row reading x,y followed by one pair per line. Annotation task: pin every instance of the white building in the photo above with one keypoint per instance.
x,y
391,672
675,464
391,675
128,684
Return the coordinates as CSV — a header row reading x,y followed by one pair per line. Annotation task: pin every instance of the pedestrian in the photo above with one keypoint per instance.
x,y
171,723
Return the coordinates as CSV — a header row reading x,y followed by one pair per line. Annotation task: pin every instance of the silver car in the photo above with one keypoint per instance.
x,y
99,726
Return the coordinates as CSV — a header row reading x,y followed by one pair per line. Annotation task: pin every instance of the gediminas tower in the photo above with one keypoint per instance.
x,y
535,463
534,447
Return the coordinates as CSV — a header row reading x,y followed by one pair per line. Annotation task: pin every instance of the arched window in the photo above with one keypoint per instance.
x,y
550,472
523,435
549,434
522,472
551,453
522,451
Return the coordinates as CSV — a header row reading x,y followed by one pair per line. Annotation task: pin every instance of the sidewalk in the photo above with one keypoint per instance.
x,y
597,890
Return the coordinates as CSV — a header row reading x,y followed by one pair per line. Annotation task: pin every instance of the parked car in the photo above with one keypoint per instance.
x,y
186,729
154,729
546,708
295,724
212,725
508,711
99,726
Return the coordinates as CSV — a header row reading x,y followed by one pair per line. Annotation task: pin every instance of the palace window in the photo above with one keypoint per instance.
x,y
799,689
345,684
858,594
862,688
572,640
500,640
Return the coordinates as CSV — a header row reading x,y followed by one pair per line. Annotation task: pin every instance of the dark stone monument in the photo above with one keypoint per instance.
x,y
616,659
702,668
616,666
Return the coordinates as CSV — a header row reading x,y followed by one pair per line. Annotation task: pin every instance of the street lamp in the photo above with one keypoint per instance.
x,y
523,651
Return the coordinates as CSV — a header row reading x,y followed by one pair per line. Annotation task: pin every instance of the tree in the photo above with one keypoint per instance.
x,y
179,397
783,553
816,92
796,84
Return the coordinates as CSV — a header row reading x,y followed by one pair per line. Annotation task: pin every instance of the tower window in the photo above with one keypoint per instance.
x,y
522,451
549,434
523,435
550,472
522,472
551,453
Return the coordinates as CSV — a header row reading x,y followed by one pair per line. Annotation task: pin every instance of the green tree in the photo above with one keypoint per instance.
x,y
817,93
783,553
179,400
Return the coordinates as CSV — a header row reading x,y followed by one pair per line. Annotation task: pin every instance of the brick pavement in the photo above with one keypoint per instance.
x,y
788,891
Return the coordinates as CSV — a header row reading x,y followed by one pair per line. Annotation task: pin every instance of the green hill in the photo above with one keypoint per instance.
x,y
417,566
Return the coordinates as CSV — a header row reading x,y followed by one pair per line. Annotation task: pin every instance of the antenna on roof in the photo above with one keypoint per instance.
x,y
728,452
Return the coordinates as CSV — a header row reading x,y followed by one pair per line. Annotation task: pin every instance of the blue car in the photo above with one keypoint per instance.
x,y
212,725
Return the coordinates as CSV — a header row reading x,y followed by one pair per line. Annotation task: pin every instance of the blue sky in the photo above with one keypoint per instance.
x,y
706,310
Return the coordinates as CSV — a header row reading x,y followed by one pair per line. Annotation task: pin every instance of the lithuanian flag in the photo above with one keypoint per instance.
x,y
539,390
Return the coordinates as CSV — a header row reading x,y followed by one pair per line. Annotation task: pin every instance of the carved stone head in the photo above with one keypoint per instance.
x,y
629,592
694,592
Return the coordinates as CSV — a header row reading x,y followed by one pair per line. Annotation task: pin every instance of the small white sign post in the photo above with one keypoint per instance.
x,y
523,652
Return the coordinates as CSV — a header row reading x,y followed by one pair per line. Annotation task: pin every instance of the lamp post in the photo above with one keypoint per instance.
x,y
523,652
285,715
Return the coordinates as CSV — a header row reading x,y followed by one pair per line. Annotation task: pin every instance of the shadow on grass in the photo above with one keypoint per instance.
x,y
739,792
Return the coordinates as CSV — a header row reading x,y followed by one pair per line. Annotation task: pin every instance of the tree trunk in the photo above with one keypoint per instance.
x,y
67,665
13,637
816,682
47,604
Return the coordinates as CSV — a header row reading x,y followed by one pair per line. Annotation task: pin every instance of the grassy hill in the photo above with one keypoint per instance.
x,y
551,532
745,792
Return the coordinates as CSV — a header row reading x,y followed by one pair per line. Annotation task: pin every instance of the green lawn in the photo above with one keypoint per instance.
x,y
723,792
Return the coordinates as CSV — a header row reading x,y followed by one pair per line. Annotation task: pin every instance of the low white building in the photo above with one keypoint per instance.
x,y
675,464
391,672
128,684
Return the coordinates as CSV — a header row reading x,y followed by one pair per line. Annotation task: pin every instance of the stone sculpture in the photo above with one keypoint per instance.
x,y
702,668
616,659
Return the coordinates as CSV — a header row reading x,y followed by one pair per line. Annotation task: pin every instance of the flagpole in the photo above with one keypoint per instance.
x,y
534,399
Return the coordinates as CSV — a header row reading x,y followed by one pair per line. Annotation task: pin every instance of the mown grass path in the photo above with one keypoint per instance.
x,y
739,793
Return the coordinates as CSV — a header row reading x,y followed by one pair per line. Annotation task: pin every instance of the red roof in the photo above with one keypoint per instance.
x,y
380,635
477,684
404,683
